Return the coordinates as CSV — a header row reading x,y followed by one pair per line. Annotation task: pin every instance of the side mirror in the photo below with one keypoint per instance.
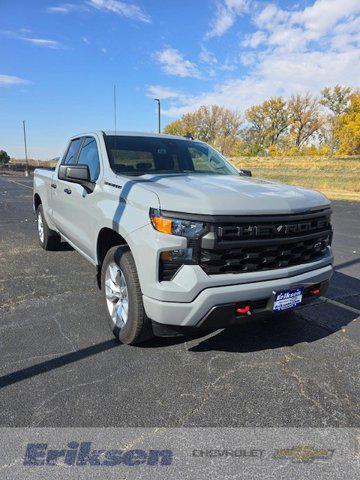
x,y
246,173
76,174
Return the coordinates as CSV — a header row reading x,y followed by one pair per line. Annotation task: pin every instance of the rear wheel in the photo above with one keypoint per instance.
x,y
48,239
123,297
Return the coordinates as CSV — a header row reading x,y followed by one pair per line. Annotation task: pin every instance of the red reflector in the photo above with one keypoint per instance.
x,y
244,309
316,291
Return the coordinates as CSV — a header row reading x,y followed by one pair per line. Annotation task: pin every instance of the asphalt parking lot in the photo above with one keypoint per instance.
x,y
60,365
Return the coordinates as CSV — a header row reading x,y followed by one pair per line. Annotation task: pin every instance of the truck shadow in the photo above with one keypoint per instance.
x,y
55,363
63,246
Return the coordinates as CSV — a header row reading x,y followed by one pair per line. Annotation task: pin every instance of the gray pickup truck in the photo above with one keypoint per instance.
x,y
182,240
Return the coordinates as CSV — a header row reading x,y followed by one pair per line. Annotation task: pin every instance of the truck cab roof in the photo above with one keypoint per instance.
x,y
130,134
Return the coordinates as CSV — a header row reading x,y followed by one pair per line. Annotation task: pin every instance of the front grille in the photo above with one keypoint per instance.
x,y
266,244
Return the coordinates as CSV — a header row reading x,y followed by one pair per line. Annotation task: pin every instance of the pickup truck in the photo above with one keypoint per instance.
x,y
180,238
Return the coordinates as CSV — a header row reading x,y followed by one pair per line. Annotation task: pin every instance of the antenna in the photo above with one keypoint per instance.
x,y
115,108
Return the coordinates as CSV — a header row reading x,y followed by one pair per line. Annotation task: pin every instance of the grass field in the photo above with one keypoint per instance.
x,y
338,178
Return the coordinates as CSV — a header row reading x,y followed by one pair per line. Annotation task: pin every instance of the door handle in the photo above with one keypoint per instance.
x,y
53,185
67,190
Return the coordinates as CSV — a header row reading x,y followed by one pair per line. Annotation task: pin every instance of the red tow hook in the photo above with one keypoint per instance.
x,y
243,310
315,291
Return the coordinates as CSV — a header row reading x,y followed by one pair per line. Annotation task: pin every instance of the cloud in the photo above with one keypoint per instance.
x,y
119,7
12,80
247,58
292,51
319,18
23,34
207,57
174,63
225,16
254,40
228,65
158,91
67,8
346,34
42,42
85,40
270,16
294,29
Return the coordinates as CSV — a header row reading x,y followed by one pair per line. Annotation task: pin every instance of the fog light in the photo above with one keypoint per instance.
x,y
172,260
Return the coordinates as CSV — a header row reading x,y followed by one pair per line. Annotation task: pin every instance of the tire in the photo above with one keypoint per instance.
x,y
123,297
48,239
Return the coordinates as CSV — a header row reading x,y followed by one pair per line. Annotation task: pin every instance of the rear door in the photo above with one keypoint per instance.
x,y
65,194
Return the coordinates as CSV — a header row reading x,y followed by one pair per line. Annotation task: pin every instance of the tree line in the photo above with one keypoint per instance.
x,y
327,124
4,157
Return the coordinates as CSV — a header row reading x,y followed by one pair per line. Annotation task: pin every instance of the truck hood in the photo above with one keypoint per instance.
x,y
230,195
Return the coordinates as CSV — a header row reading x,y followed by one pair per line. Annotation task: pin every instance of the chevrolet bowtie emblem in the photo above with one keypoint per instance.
x,y
303,454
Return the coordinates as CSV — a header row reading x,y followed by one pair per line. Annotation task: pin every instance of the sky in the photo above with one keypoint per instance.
x,y
59,61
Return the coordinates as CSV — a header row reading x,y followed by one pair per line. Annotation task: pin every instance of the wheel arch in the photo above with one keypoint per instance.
x,y
107,238
37,201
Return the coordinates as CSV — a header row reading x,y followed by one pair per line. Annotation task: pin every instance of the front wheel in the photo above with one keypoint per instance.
x,y
123,297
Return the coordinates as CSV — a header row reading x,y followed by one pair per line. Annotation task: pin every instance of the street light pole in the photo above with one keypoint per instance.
x,y
159,113
26,154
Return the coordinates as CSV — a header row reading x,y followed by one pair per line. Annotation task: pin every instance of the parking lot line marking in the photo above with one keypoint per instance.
x,y
341,305
17,183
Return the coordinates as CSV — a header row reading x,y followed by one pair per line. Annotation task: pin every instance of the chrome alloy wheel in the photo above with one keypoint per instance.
x,y
116,293
40,226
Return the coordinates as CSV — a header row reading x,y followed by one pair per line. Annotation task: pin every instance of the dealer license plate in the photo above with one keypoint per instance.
x,y
287,299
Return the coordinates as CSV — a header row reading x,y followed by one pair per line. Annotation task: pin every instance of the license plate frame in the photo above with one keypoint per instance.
x,y
284,300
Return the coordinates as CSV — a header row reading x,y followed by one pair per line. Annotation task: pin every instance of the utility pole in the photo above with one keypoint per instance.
x,y
159,113
26,154
115,108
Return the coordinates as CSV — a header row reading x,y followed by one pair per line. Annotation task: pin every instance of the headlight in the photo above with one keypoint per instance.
x,y
174,226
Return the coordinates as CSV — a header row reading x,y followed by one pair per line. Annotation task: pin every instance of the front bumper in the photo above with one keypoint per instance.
x,y
192,314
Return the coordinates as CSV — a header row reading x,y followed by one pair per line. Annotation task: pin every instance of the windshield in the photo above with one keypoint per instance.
x,y
130,155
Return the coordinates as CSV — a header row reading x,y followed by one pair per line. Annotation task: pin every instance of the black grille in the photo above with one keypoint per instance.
x,y
167,270
265,245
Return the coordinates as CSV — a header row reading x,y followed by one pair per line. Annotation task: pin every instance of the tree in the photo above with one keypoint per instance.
x,y
267,123
347,128
218,126
336,99
4,157
305,117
